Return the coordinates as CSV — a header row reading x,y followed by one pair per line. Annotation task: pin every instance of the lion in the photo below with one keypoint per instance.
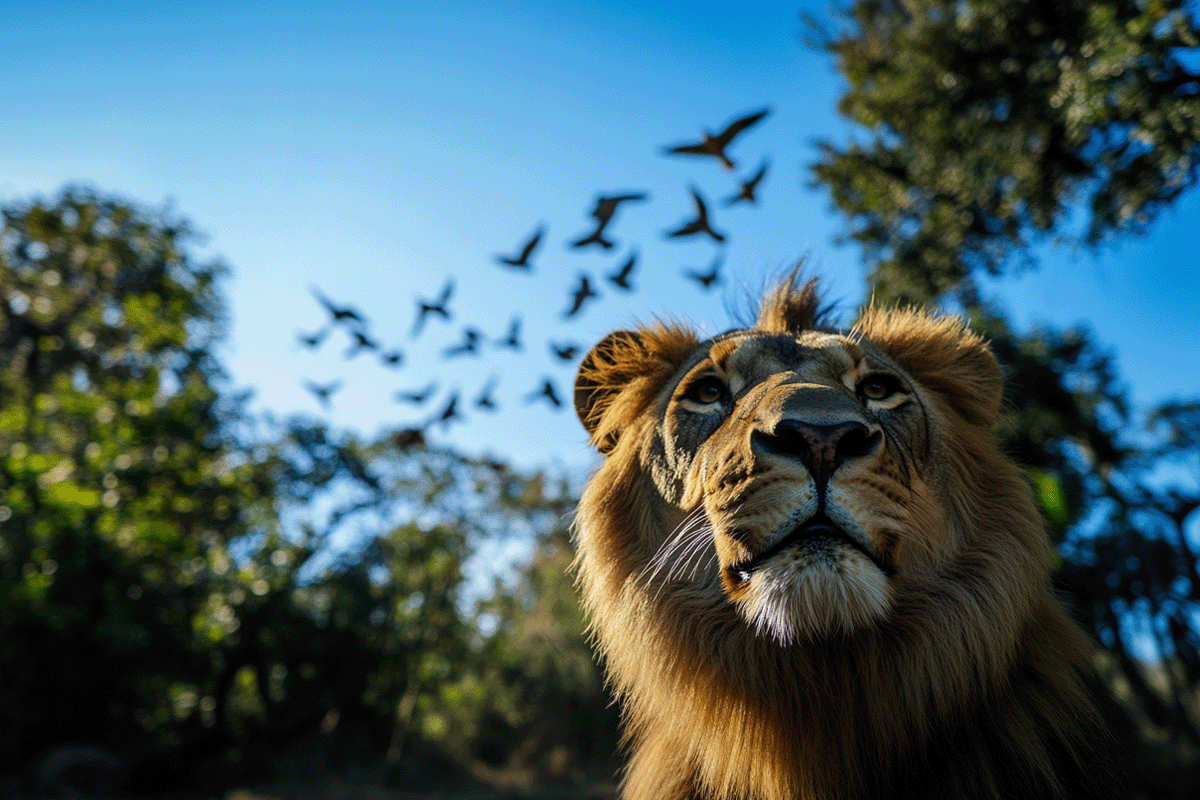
x,y
810,571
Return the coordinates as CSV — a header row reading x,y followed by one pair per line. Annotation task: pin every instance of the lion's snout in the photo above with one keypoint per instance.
x,y
817,424
820,448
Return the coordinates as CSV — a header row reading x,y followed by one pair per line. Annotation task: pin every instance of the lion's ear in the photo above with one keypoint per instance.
x,y
619,378
595,386
942,354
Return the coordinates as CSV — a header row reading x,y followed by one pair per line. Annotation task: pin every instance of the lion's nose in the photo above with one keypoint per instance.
x,y
821,448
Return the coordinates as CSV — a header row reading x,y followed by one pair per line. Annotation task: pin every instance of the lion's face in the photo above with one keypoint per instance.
x,y
804,453
799,460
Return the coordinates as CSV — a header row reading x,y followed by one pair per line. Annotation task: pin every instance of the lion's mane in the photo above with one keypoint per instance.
x,y
964,678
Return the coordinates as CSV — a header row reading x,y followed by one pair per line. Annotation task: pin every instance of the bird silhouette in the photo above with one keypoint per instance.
x,y
521,261
418,396
707,279
485,399
620,278
449,412
392,358
359,341
469,346
545,391
603,213
746,193
714,144
323,391
339,314
700,223
513,339
564,352
438,306
312,340
580,296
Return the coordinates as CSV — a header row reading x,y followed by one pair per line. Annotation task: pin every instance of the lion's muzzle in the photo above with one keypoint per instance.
x,y
820,448
798,561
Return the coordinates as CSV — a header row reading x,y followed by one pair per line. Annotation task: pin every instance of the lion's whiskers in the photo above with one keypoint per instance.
x,y
669,546
692,553
680,549
690,544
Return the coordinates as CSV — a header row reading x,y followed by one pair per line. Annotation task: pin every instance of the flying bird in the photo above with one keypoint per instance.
x,y
513,339
312,340
416,397
339,314
620,278
438,306
469,346
580,296
715,144
603,214
449,412
392,358
359,341
485,399
746,193
323,391
700,223
521,261
546,391
564,352
707,279
471,341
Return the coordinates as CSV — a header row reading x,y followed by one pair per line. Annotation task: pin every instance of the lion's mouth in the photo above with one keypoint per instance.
x,y
817,530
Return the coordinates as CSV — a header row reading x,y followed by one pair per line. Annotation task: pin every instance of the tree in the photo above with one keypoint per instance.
x,y
990,121
144,554
118,492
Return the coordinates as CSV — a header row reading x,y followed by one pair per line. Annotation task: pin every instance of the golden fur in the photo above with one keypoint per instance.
x,y
828,582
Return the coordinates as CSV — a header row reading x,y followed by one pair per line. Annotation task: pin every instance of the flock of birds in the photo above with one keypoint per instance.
x,y
475,342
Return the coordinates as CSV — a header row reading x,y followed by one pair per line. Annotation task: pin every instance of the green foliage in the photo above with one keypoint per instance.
x,y
118,494
989,121
198,590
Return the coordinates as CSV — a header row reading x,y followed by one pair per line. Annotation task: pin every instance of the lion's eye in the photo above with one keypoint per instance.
x,y
706,390
878,387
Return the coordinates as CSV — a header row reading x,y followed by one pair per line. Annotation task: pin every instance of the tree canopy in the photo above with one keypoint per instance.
x,y
118,490
989,123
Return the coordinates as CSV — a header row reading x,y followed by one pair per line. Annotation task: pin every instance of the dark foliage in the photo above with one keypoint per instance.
x,y
988,122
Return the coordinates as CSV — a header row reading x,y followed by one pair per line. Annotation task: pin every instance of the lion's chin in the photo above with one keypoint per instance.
x,y
814,591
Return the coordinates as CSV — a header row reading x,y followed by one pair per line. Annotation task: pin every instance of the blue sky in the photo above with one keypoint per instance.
x,y
375,149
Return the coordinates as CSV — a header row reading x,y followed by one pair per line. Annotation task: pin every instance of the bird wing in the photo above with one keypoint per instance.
x,y
532,244
739,125
698,149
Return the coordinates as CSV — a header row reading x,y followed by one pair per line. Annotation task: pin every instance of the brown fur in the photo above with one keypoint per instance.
x,y
957,675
